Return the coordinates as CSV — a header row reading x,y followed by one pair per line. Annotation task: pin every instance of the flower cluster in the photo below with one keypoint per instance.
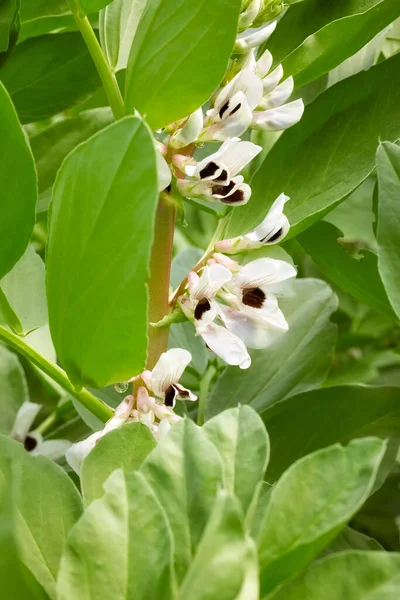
x,y
152,405
235,307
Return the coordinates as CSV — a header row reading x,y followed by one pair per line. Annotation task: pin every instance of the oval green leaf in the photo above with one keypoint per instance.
x,y
105,199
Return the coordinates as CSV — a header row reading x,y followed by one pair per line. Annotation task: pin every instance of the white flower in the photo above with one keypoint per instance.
x,y
189,132
163,171
254,37
148,410
216,177
163,380
76,454
271,230
225,344
33,440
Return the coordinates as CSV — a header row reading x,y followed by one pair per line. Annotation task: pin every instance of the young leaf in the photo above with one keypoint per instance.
x,y
319,418
313,29
298,361
388,234
90,6
48,505
18,185
355,575
242,441
358,276
125,448
23,292
179,56
118,25
49,74
121,548
51,145
13,389
329,153
311,503
185,472
105,199
218,569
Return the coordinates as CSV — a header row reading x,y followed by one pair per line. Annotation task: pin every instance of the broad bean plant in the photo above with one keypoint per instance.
x,y
199,299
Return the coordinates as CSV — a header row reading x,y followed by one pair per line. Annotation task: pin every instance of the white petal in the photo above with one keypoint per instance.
x,y
271,81
212,278
190,131
273,224
26,415
163,172
76,454
208,316
235,154
264,64
245,81
169,369
239,195
185,393
252,330
278,119
236,120
53,449
279,95
263,272
253,37
226,345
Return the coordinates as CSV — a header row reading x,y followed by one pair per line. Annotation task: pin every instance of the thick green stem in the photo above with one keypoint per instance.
x,y
203,395
96,406
160,271
108,79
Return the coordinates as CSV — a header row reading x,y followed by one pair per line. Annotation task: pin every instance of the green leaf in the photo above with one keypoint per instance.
x,y
105,199
23,290
51,145
388,233
218,569
319,418
179,56
90,6
48,504
339,131
311,503
306,40
121,548
13,389
242,441
185,472
124,448
32,9
359,276
48,74
118,25
18,185
8,11
298,361
355,575
350,539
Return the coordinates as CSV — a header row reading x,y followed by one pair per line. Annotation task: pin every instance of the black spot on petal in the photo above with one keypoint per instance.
x,y
168,189
209,170
202,307
237,107
223,109
223,176
30,443
274,237
253,297
237,196
170,396
223,190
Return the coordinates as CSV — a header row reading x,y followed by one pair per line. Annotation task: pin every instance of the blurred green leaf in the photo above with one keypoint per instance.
x,y
31,9
121,548
104,200
242,441
311,503
219,567
316,419
306,39
179,56
359,276
322,159
48,505
13,389
23,289
51,145
18,185
388,233
48,74
298,361
90,6
350,539
118,25
8,10
185,472
356,575
125,448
